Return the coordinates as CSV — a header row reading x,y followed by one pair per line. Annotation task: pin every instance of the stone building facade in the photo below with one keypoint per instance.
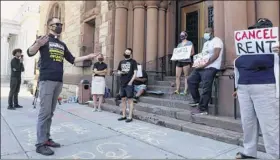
x,y
151,28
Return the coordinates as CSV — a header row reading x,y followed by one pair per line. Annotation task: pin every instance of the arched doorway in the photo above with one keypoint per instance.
x,y
56,10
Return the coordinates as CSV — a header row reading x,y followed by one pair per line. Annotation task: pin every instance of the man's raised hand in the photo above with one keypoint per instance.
x,y
42,40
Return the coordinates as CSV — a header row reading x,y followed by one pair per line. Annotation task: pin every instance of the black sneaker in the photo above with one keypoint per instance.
x,y
122,118
11,108
53,144
240,155
44,150
18,106
193,104
128,120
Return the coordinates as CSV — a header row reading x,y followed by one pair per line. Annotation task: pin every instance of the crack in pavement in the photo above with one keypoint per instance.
x,y
123,134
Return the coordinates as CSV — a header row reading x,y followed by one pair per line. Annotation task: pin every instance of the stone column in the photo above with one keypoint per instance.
x,y
152,34
251,12
269,10
138,30
161,33
233,10
120,31
219,23
4,56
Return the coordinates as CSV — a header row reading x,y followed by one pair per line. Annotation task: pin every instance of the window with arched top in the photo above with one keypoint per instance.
x,y
56,10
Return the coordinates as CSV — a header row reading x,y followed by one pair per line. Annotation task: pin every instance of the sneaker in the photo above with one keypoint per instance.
x,y
18,106
11,108
44,150
128,120
122,118
197,111
99,110
176,92
193,104
51,143
94,110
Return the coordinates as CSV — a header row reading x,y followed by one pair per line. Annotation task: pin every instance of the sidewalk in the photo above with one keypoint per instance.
x,y
87,135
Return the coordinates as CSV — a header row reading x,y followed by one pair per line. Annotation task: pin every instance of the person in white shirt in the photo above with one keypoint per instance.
x,y
205,73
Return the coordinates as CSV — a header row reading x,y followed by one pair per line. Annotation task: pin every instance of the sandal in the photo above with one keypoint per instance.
x,y
176,92
186,92
240,155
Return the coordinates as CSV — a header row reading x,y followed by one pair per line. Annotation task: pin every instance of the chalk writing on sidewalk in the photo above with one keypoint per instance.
x,y
113,150
144,133
78,129
80,155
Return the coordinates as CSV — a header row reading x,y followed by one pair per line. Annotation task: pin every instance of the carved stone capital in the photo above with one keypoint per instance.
x,y
152,4
138,4
121,4
111,4
163,5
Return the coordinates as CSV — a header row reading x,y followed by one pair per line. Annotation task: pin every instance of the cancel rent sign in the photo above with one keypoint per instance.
x,y
256,41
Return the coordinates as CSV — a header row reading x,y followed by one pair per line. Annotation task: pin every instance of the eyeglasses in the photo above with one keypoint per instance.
x,y
57,24
262,20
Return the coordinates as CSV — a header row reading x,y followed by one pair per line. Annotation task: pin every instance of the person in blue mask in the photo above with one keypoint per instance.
x,y
257,84
205,72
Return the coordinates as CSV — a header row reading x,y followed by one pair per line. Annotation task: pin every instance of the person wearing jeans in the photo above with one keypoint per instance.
x,y
257,85
205,73
52,54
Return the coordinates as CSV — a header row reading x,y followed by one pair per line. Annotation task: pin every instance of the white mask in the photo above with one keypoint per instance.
x,y
206,36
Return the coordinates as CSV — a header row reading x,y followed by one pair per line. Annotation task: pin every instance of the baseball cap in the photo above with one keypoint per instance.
x,y
262,23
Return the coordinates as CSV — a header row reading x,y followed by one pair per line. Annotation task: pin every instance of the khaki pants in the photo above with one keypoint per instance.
x,y
258,103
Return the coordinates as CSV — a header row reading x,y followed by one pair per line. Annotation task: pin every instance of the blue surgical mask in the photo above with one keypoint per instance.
x,y
206,36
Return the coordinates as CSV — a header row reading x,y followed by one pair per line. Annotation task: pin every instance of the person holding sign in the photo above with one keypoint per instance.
x,y
184,64
257,84
205,72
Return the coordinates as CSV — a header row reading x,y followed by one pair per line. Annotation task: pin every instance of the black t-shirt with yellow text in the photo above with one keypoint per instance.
x,y
52,55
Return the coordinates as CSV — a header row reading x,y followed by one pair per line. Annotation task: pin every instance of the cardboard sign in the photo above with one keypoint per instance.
x,y
139,71
256,41
200,59
181,53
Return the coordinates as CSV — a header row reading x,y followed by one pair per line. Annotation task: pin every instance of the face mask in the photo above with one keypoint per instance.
x,y
58,29
100,59
207,36
126,56
182,37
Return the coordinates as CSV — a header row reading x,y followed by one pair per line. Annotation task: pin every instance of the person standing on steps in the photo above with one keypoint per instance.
x,y
183,65
206,72
15,81
98,82
127,69
52,54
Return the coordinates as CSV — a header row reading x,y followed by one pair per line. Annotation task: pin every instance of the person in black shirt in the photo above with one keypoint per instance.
x,y
98,82
127,70
15,81
140,85
52,54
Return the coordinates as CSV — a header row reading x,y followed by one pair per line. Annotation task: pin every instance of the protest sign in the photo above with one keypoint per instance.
x,y
181,53
256,41
139,71
200,59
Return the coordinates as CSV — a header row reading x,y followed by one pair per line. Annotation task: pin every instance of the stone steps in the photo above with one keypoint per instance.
x,y
184,114
198,128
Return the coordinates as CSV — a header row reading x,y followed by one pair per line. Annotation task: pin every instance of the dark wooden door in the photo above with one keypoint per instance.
x,y
192,28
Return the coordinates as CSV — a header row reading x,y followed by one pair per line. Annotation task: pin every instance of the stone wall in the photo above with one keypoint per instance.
x,y
72,34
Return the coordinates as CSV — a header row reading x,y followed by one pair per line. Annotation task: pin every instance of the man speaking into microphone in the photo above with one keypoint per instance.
x,y
52,53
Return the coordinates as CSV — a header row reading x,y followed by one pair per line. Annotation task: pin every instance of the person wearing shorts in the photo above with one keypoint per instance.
x,y
184,64
127,69
140,85
98,82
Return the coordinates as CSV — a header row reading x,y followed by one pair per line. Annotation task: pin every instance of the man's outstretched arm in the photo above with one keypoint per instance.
x,y
32,50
